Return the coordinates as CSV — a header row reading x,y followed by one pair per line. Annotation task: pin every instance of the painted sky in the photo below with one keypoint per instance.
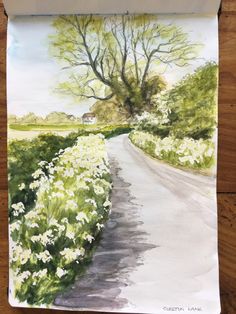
x,y
33,74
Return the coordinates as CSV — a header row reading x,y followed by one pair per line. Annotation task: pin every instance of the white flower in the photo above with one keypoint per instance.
x,y
71,204
70,235
70,193
34,225
31,215
89,238
45,238
54,222
39,206
98,190
99,226
69,173
71,255
34,185
82,217
36,238
51,170
91,201
15,226
40,273
19,208
209,152
64,220
20,254
107,203
57,195
21,186
81,185
89,180
59,185
20,278
60,152
61,272
101,136
37,173
44,256
42,163
185,159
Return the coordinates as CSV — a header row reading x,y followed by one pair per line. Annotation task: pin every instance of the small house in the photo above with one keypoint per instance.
x,y
89,118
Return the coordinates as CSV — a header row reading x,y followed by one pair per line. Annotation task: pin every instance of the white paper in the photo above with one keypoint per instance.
x,y
158,250
45,7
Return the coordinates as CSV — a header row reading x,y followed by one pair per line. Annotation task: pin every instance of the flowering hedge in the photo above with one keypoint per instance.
x,y
187,152
52,243
24,156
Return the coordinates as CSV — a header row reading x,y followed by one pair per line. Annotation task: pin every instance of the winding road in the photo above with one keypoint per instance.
x,y
159,246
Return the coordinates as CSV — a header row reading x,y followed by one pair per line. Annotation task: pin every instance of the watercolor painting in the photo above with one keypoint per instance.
x,y
112,129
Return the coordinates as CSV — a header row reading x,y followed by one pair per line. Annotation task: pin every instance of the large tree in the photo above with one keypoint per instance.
x,y
118,56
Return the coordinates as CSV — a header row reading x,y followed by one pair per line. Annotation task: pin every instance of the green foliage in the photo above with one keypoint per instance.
x,y
114,56
54,241
188,109
193,104
109,112
186,152
24,156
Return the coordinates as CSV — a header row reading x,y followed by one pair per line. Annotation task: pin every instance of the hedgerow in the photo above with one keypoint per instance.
x,y
51,244
186,152
24,156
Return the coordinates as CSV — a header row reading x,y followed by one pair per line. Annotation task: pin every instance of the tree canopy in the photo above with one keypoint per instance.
x,y
118,56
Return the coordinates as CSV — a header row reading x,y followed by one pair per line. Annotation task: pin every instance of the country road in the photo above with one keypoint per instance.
x,y
159,246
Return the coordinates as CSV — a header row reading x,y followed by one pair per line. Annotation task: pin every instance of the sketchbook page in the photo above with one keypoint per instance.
x,y
112,144
39,7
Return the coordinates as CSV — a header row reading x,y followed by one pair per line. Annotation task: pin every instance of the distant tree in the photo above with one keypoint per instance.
x,y
118,56
12,118
29,118
59,117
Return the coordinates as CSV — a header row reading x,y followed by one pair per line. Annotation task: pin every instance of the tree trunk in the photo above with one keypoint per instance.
x,y
129,106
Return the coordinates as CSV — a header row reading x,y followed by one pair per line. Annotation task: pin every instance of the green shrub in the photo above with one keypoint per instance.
x,y
193,104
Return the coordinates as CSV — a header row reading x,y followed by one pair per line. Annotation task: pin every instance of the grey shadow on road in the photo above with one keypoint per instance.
x,y
119,253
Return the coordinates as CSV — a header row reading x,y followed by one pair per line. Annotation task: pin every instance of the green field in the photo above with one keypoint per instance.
x,y
56,127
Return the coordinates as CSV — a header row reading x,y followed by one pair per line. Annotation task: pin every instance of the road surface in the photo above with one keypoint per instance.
x,y
159,246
